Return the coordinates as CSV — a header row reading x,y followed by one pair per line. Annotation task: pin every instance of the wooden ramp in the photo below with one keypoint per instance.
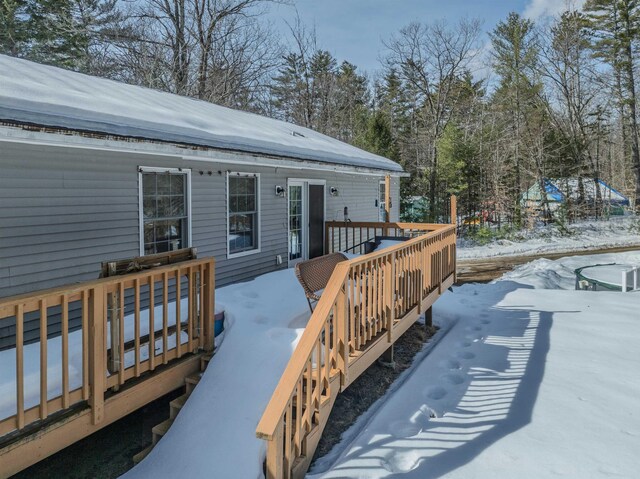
x,y
120,355
367,305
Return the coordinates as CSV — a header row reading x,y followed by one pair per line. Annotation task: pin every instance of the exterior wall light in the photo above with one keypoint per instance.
x,y
334,191
279,190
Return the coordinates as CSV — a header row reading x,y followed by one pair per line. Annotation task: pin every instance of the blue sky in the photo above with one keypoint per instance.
x,y
354,30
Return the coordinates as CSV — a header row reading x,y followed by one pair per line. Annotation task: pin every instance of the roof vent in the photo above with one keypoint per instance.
x,y
295,133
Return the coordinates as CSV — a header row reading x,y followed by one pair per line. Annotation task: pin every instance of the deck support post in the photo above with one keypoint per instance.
x,y
386,359
428,318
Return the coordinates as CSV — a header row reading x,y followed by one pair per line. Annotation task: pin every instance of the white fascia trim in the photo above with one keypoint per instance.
x,y
153,169
259,210
18,135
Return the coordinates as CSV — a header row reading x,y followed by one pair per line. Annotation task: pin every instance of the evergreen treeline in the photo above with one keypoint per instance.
x,y
484,118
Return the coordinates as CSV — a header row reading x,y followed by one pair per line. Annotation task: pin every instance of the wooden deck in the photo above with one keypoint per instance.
x,y
121,367
367,304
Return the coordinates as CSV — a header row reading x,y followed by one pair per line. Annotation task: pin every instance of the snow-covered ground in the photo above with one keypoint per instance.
x,y
587,235
534,379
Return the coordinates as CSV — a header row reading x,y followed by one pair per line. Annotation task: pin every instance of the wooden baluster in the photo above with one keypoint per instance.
x,y
308,398
328,350
85,345
298,433
152,322
65,351
178,319
121,364
318,390
288,458
43,359
19,314
97,325
165,315
136,326
192,307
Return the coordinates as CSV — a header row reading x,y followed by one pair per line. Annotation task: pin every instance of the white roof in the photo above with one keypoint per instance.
x,y
53,97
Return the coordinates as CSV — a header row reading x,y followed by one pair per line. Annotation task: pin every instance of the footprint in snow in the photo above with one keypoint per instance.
x,y
473,328
465,355
400,462
436,393
249,304
450,364
404,429
453,378
463,344
473,337
249,294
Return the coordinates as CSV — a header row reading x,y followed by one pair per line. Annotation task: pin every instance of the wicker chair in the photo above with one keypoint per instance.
x,y
314,274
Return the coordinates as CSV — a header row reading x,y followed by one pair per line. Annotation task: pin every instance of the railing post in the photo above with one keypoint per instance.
x,y
326,238
342,323
390,295
209,305
275,454
454,210
97,367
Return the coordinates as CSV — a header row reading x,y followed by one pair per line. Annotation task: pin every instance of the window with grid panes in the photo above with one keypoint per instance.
x,y
164,208
242,201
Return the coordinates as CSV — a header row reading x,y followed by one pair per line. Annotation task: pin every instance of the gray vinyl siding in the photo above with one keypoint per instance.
x,y
63,211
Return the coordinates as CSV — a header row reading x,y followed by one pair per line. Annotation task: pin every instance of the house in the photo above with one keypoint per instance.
x,y
560,190
95,170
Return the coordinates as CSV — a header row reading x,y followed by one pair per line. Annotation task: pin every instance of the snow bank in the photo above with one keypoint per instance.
x,y
49,96
528,383
588,235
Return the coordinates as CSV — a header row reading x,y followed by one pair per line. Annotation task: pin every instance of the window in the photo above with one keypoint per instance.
x,y
165,209
243,206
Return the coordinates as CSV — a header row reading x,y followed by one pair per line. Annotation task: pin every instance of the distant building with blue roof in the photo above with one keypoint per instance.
x,y
561,190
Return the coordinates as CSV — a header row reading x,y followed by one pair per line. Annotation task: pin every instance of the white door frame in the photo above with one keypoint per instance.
x,y
304,183
381,201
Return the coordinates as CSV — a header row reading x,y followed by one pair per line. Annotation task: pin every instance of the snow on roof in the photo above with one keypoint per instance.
x,y
53,97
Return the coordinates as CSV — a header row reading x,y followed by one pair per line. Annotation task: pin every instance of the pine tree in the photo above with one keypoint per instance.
x,y
616,30
13,27
515,54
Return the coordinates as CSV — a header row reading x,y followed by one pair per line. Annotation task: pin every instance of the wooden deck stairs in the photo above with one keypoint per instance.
x,y
175,406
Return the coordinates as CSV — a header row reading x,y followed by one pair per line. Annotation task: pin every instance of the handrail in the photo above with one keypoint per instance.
x,y
110,322
336,310
298,361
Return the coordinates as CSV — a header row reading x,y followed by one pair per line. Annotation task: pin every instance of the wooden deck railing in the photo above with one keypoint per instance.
x,y
367,304
120,336
351,237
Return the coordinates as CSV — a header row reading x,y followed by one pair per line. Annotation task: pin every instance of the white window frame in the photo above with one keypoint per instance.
x,y
258,248
153,169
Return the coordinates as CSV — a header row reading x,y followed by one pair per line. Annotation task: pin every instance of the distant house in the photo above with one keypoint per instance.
x,y
95,170
558,191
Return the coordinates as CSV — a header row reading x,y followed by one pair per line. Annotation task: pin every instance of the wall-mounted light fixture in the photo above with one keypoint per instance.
x,y
279,190
334,191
